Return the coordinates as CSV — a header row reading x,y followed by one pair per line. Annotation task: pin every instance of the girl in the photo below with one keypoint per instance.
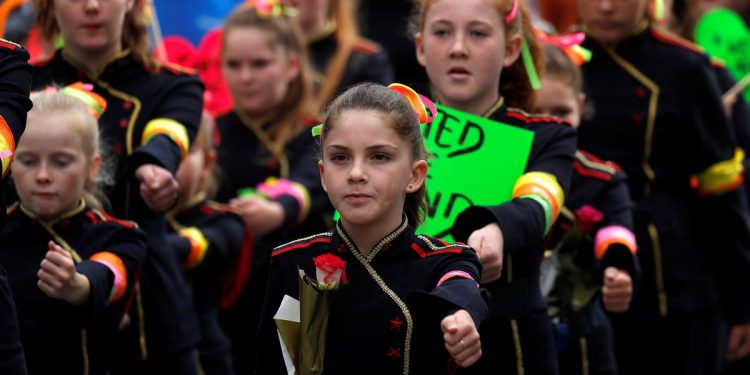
x,y
339,55
72,268
266,154
593,239
675,143
154,110
208,237
372,167
470,49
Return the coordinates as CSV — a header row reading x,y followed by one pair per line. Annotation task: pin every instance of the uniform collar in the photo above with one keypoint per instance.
x,y
75,211
401,234
638,37
113,61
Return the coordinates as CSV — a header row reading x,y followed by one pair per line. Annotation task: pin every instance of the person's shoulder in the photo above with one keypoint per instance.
x,y
366,46
427,246
588,165
545,128
519,116
171,68
99,217
684,52
219,213
677,42
299,245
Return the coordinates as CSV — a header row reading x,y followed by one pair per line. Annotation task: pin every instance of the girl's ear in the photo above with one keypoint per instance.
x,y
322,173
294,67
419,45
94,164
129,4
512,50
418,175
209,160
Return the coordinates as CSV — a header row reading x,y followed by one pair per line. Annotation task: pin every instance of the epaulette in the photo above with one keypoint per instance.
x,y
589,165
210,207
302,243
366,46
718,62
528,118
11,209
7,44
675,40
98,216
434,246
177,68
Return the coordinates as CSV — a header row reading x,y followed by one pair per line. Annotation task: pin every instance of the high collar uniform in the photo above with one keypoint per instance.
x,y
55,334
152,117
386,318
657,113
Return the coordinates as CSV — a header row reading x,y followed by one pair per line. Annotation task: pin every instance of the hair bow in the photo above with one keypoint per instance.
x,y
570,44
85,93
272,8
418,102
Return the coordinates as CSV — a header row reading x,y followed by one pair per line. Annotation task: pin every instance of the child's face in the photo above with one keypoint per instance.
x,y
463,48
367,169
257,71
50,168
556,98
92,25
610,21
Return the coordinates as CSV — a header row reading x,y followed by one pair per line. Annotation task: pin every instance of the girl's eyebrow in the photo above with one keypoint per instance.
x,y
337,147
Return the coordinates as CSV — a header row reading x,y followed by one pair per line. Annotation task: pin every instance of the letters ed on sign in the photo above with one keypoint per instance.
x,y
475,161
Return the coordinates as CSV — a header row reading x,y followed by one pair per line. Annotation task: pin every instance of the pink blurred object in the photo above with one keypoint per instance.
x,y
208,63
180,51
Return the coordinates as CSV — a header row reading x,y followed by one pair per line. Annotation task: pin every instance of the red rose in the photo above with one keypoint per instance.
x,y
587,217
330,271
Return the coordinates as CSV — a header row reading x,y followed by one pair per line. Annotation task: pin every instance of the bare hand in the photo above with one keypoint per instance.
x,y
261,215
617,290
158,187
461,338
739,342
58,277
488,243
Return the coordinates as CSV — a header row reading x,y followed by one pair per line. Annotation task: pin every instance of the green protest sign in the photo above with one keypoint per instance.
x,y
476,161
723,34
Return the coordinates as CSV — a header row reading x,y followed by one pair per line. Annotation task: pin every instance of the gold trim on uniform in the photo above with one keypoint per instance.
x,y
652,107
656,245
404,309
517,343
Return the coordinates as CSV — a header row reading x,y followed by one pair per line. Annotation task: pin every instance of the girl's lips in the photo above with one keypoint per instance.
x,y
92,27
458,73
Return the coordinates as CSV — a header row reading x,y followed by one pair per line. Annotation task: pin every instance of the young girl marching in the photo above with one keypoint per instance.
x,y
153,113
72,268
265,153
401,289
593,245
472,53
